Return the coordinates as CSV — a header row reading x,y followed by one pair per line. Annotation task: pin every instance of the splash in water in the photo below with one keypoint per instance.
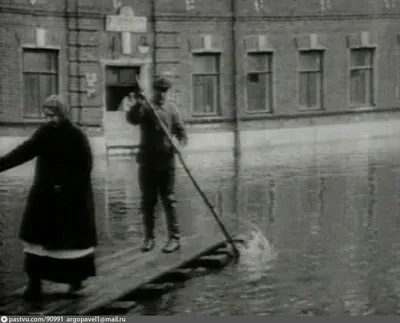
x,y
256,255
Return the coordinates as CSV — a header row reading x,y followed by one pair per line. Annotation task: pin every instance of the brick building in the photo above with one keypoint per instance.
x,y
246,60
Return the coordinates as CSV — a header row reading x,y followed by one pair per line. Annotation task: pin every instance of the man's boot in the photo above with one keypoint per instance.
x,y
148,223
173,243
171,246
148,245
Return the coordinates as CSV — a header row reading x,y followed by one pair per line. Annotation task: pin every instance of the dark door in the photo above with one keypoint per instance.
x,y
120,81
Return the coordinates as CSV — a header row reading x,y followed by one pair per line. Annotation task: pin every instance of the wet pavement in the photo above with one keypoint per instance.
x,y
326,217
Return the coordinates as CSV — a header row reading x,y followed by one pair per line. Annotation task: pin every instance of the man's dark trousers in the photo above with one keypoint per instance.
x,y
154,182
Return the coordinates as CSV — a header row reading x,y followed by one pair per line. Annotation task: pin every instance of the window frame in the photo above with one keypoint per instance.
x,y
120,68
373,68
270,57
398,78
218,111
300,70
56,50
398,68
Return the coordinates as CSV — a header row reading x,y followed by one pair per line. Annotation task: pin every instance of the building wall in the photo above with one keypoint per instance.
x,y
336,59
178,23
18,34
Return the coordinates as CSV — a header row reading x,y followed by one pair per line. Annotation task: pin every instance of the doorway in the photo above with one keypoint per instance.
x,y
119,82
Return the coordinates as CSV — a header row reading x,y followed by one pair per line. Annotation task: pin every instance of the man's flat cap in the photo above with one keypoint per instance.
x,y
162,83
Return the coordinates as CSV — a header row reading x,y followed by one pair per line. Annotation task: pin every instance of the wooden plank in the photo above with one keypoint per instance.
x,y
106,265
55,294
227,250
201,271
94,287
178,275
119,275
211,261
109,259
145,270
151,291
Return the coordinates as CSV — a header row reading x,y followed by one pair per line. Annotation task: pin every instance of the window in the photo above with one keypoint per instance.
x,y
311,79
120,81
259,82
206,84
361,77
398,78
122,75
40,77
398,68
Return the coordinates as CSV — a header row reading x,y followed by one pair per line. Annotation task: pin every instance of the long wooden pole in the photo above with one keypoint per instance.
x,y
196,185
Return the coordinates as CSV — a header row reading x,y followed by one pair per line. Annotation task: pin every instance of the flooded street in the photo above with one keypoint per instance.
x,y
325,218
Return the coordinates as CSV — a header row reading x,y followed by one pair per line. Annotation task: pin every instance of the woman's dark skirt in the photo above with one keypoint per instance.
x,y
61,266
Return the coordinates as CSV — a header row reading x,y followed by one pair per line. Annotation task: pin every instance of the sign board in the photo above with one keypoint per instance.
x,y
124,24
126,21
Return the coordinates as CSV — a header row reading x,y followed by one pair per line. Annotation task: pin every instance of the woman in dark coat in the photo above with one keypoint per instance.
x,y
58,228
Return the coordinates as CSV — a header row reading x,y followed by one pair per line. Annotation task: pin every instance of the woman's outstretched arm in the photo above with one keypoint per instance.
x,y
24,152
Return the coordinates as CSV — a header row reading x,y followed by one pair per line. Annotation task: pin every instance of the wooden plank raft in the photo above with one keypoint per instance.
x,y
118,276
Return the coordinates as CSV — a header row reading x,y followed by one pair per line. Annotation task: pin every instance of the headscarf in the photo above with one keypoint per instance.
x,y
56,105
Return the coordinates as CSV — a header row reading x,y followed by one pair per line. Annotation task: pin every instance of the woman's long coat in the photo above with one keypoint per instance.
x,y
59,213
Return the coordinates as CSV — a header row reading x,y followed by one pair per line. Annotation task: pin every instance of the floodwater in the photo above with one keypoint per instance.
x,y
322,223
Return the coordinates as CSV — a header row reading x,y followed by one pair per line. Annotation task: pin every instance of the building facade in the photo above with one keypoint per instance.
x,y
229,60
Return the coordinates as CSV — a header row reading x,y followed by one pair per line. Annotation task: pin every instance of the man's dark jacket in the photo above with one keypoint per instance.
x,y
155,148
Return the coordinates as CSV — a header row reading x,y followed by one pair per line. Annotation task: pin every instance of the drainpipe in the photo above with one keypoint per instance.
x,y
67,21
236,150
154,29
78,62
